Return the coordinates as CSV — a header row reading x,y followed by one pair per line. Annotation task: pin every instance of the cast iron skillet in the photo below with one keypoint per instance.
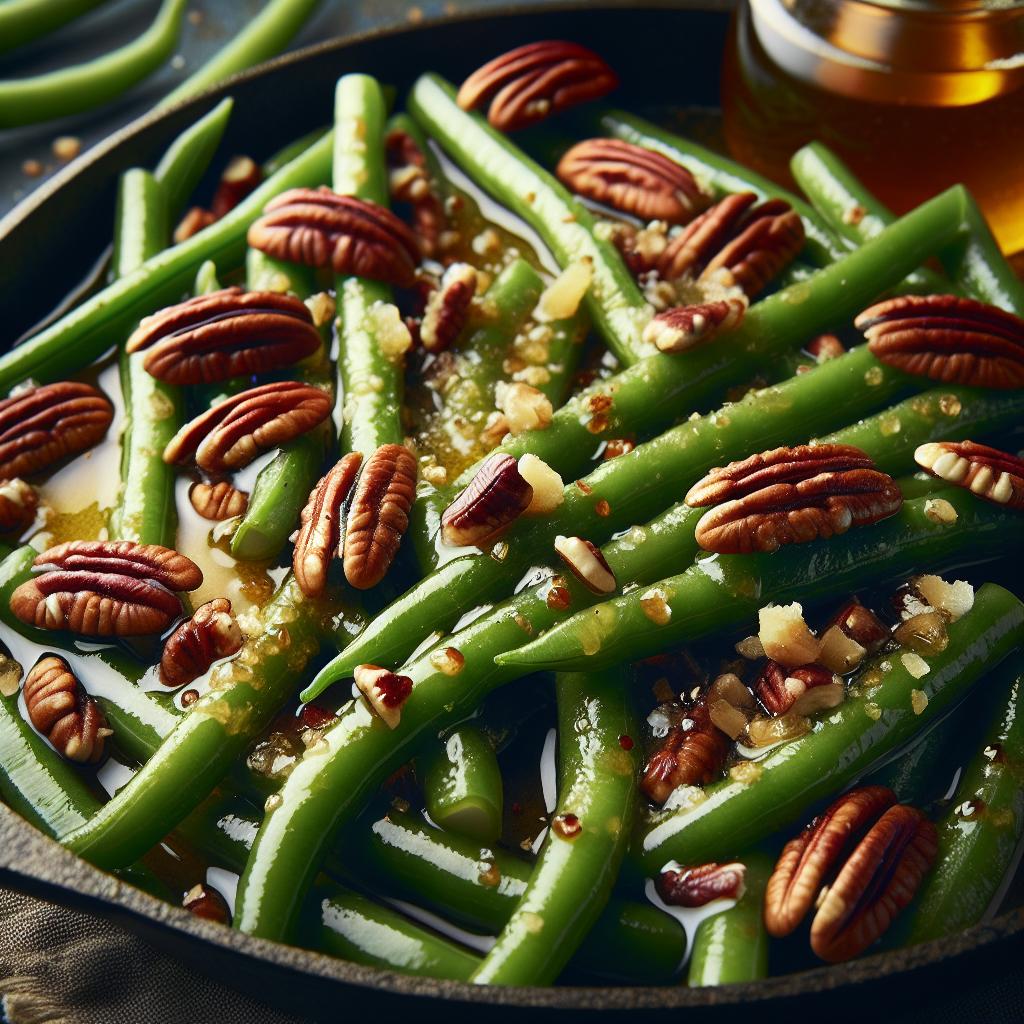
x,y
49,243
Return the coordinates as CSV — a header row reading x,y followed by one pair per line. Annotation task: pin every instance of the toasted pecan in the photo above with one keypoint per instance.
x,y
209,635
495,497
18,505
218,501
682,327
63,712
994,475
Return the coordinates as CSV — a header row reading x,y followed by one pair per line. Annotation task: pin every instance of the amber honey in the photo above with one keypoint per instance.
x,y
914,96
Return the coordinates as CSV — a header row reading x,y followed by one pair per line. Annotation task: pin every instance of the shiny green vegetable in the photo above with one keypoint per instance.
x,y
21,21
82,87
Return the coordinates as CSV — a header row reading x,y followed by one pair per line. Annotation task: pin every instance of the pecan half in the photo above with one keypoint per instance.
x,y
319,228
241,177
802,691
63,712
218,501
42,425
877,881
531,82
385,691
736,242
632,179
448,308
18,504
232,433
682,327
495,497
228,333
211,634
320,525
698,886
790,496
947,338
807,860
378,515
106,588
586,563
989,473
409,182
690,756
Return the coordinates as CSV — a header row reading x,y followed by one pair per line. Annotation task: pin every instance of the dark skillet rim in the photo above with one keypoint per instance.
x,y
65,874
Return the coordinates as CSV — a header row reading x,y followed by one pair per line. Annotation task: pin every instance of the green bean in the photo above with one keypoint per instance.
x,y
263,36
81,336
286,154
462,785
207,280
615,304
719,591
874,720
980,835
264,273
21,21
189,156
722,175
732,946
85,86
587,840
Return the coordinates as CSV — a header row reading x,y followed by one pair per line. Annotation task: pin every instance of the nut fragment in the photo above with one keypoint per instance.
x,y
42,425
496,496
206,902
989,473
385,691
952,599
218,501
63,712
241,176
825,347
688,756
791,496
228,333
233,432
586,563
211,634
785,636
838,652
947,338
632,179
682,327
861,625
320,525
548,488
800,691
525,407
531,82
698,886
730,704
448,308
194,221
18,504
410,182
378,515
320,228
106,588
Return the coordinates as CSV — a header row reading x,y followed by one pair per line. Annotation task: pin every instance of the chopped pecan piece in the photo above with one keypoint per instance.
x,y
241,177
206,902
698,886
18,504
63,712
690,756
194,221
947,338
232,433
735,242
319,228
211,634
861,625
319,536
218,501
378,515
586,563
448,308
682,327
42,425
791,496
800,691
531,82
989,473
228,333
385,691
635,180
409,182
825,347
495,497
106,588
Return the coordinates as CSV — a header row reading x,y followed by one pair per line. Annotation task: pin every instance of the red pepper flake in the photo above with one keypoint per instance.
x,y
602,508
626,742
567,826
584,487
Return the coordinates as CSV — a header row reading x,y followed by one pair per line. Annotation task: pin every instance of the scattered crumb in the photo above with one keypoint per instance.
x,y
66,147
32,168
918,701
177,62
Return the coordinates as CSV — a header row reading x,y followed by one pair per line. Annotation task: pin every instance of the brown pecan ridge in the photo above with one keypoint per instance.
x,y
683,327
791,496
495,497
106,588
378,515
18,505
228,333
409,182
42,425
320,228
994,475
803,691
209,635
63,712
632,179
448,308
320,525
703,884
690,756
735,242
233,432
531,82
218,501
947,338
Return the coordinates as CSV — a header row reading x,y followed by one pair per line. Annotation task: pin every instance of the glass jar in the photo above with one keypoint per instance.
x,y
914,95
